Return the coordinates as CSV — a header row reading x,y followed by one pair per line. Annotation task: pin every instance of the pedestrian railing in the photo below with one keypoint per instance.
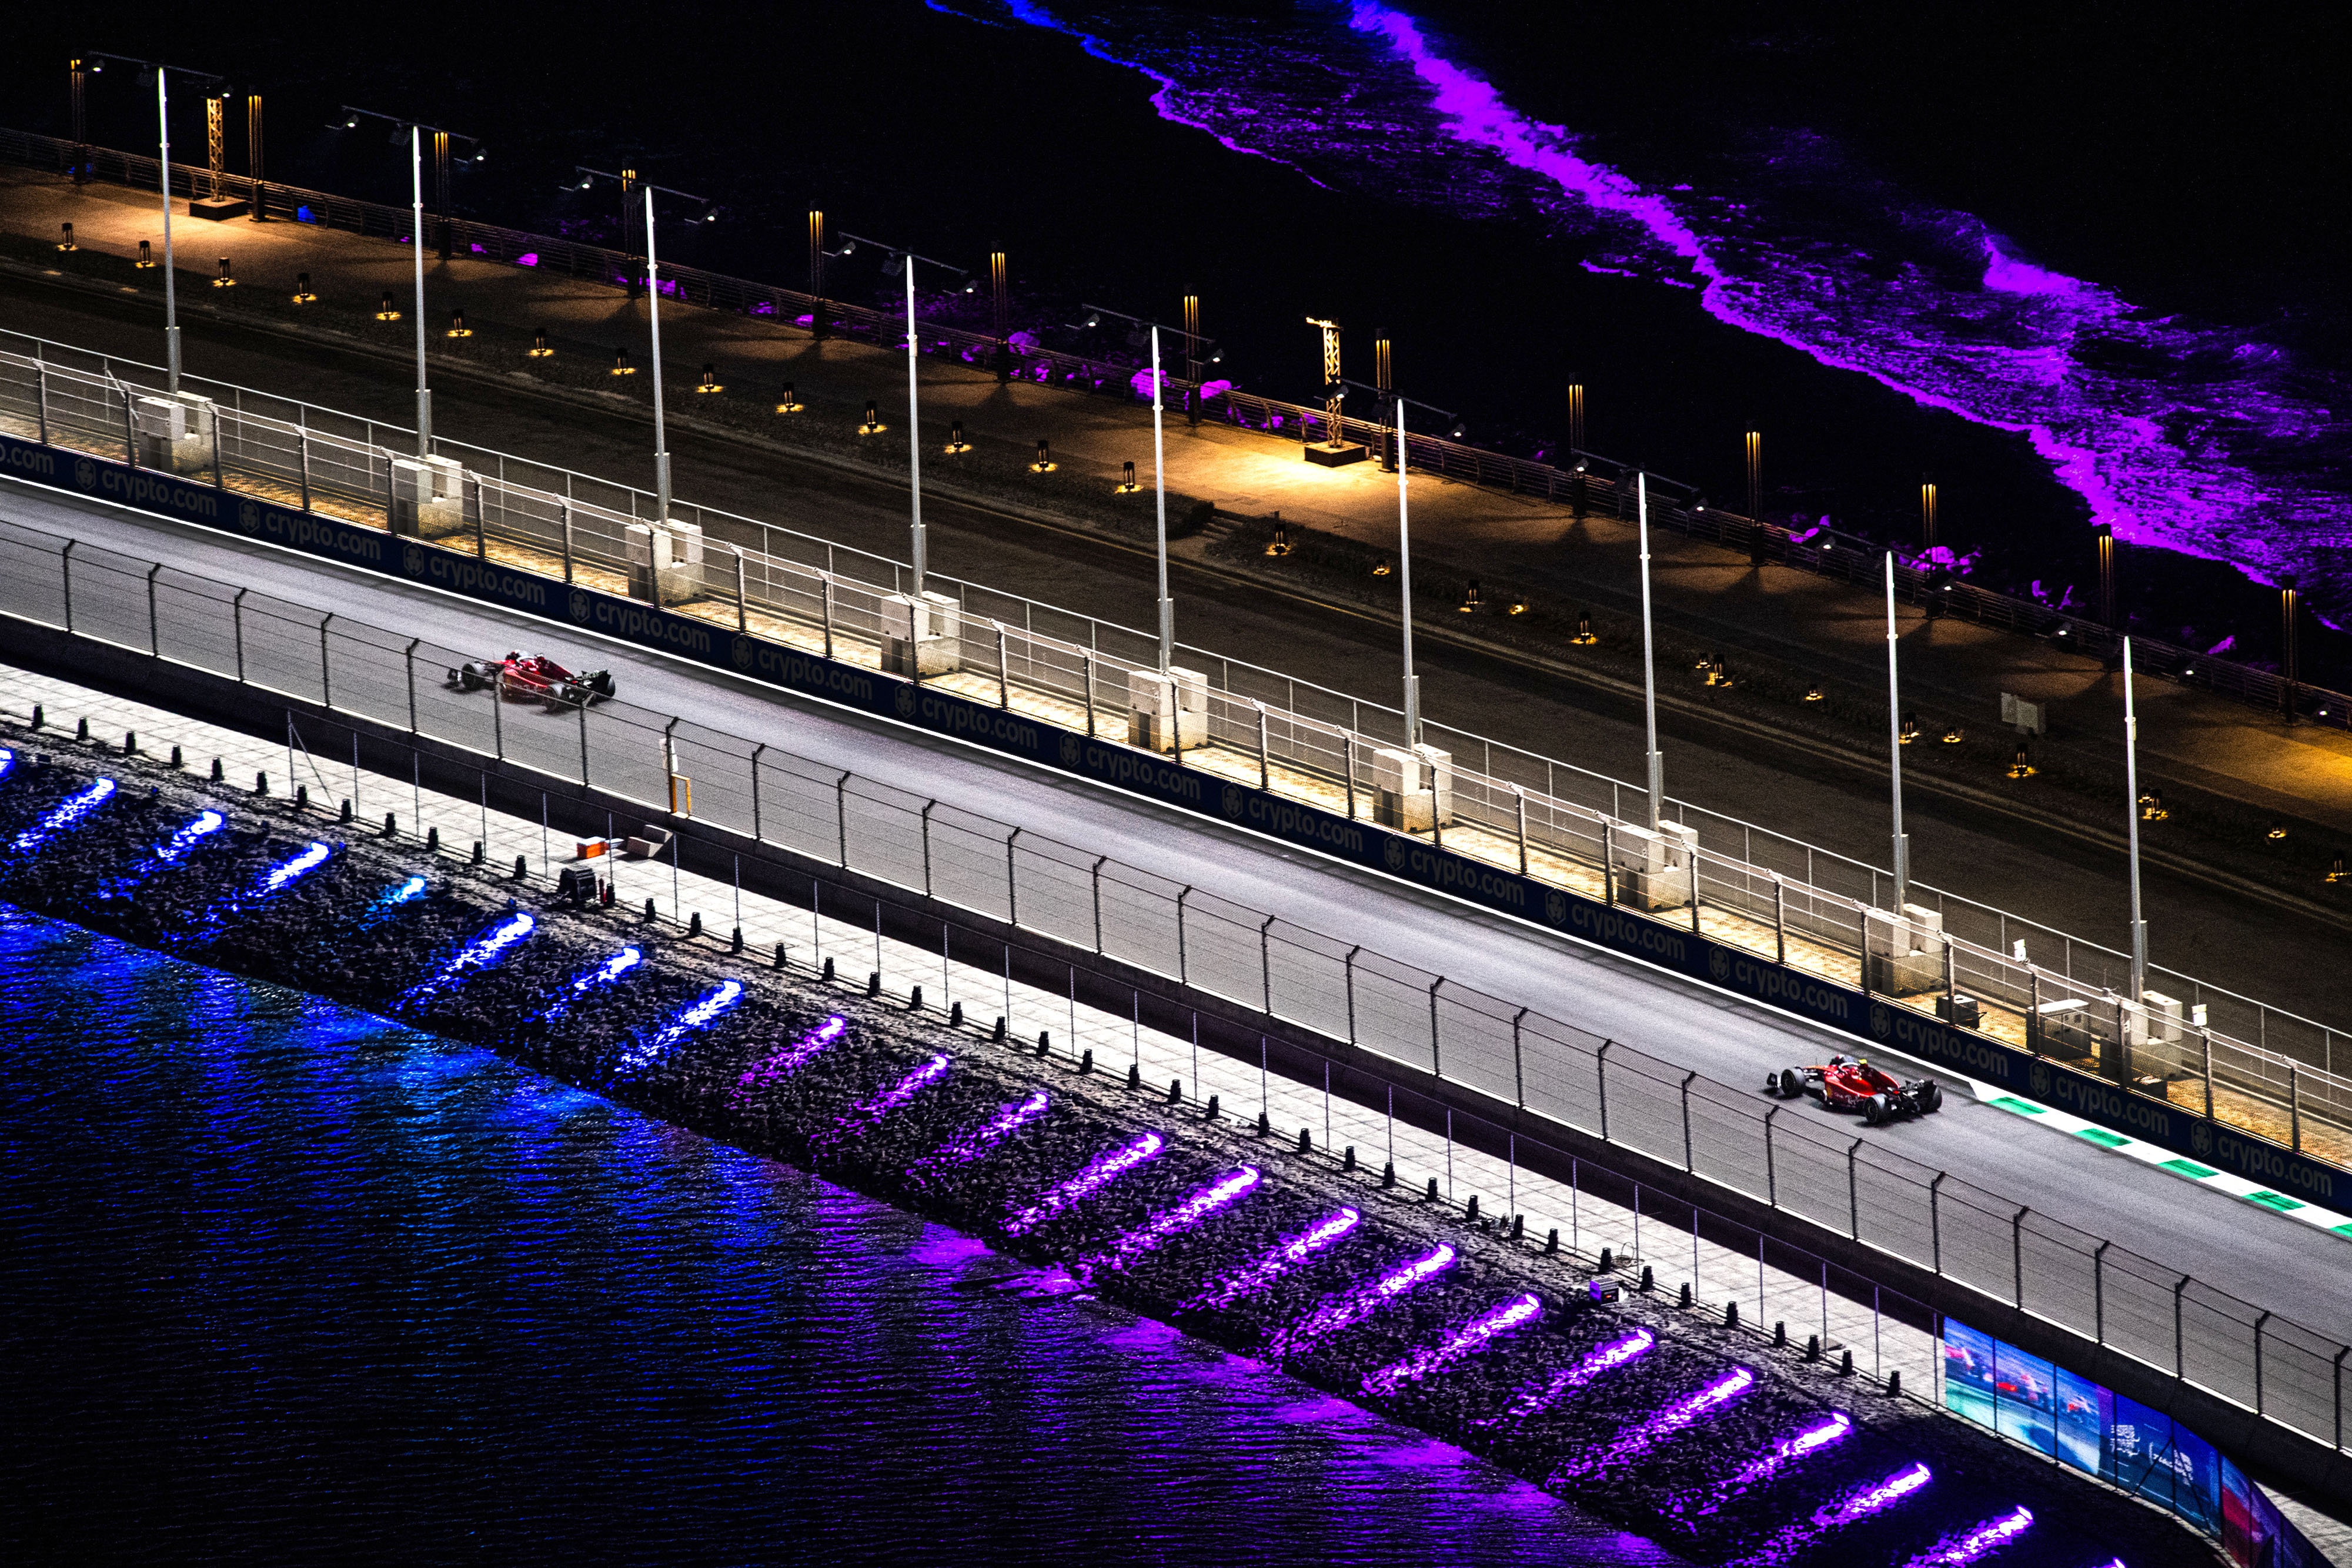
x,y
1341,991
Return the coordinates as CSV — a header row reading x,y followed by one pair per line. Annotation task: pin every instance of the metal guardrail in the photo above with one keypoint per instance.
x,y
1329,987
1778,897
1589,482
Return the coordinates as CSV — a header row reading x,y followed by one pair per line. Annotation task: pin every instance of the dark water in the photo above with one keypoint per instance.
x,y
287,1282
2081,267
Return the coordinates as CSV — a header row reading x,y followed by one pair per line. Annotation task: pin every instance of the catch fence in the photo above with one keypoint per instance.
x,y
2221,1055
1321,985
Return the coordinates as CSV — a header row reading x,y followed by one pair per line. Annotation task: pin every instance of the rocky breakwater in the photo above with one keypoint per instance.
x,y
1658,1418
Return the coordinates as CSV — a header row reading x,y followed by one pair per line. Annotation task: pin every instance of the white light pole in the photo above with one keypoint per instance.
x,y
416,242
171,290
1194,344
2131,791
417,131
1655,761
1404,584
918,547
1894,749
653,319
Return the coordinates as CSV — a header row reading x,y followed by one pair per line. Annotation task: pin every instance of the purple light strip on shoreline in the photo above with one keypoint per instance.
x,y
789,1060
1104,1168
1605,1358
1223,1193
1474,1337
1665,1424
1279,1261
964,1150
1360,1303
1831,1516
66,814
480,951
869,1113
1811,1440
1981,1541
604,974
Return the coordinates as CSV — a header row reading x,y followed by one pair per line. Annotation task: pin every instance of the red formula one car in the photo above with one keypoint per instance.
x,y
1849,1084
533,677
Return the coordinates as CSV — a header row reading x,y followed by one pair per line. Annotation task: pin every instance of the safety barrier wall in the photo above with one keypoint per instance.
x,y
1851,1186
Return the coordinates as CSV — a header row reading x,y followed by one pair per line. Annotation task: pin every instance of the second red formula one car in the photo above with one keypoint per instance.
x,y
528,677
1849,1084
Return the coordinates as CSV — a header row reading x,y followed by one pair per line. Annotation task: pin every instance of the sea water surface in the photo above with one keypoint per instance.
x,y
285,1281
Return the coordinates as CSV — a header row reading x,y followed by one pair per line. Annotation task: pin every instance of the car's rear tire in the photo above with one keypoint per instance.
x,y
1791,1083
1873,1110
1931,1098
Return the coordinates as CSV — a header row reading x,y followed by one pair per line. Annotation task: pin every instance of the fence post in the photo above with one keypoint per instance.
x,y
1088,656
1184,973
1854,1192
1518,1065
563,508
1003,672
1347,746
927,805
2339,1394
755,802
2179,1363
1862,951
1936,1222
1601,1084
220,472
302,453
1779,919
743,602
2017,1251
326,683
2258,1361
1771,1173
1096,875
497,690
64,578
841,817
1436,1066
2294,1108
583,748
827,597
1688,1163
1265,777
1519,806
1265,962
130,430
154,636
408,663
1011,878
2207,1035
1348,980
1694,858
41,396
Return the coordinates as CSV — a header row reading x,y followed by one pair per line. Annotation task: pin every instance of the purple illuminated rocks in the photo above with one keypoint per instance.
x,y
868,1113
1323,1233
972,1146
1664,1424
1474,1337
480,952
775,1069
1220,1194
603,974
1977,1544
192,834
1104,1168
1812,1440
1360,1303
1604,1358
1832,1516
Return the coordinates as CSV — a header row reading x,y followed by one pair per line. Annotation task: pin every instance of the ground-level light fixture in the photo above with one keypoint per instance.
x,y
1126,485
2151,807
387,311
1382,567
1469,605
539,348
66,238
1044,464
2022,767
786,402
457,328
1519,607
956,444
1952,737
709,382
146,261
2336,872
302,294
1815,694
1584,629
1280,543
621,366
226,279
872,425
1910,731
2277,830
